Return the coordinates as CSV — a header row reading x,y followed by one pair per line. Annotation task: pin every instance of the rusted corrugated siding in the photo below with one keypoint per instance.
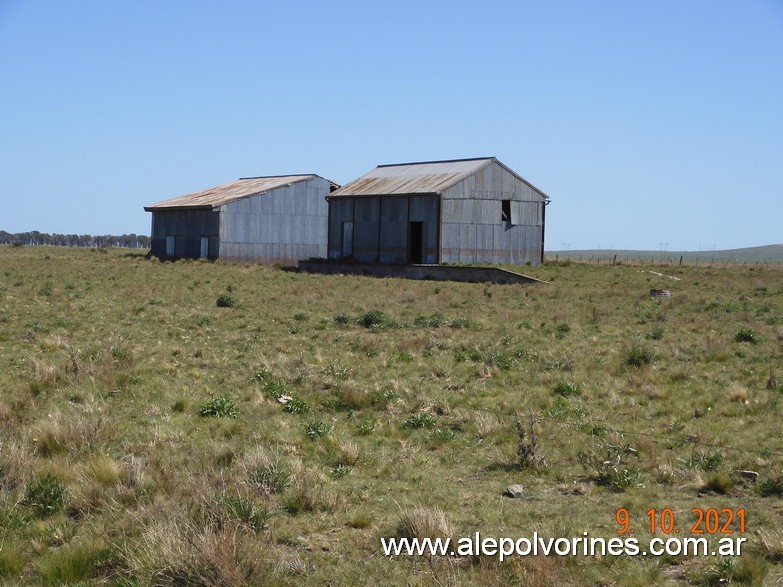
x,y
223,194
411,178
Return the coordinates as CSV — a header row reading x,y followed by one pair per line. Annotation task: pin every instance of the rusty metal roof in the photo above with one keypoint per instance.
x,y
223,194
426,177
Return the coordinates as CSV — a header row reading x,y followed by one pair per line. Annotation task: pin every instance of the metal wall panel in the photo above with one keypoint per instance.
x,y
340,210
187,226
264,228
394,230
473,228
366,228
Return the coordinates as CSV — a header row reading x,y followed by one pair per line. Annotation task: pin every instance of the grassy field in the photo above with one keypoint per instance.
x,y
219,424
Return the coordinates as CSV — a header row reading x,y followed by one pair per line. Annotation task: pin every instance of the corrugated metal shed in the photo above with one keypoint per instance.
x,y
465,210
229,192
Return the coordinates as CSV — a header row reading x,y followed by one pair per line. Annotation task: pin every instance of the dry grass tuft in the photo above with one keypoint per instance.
x,y
738,393
769,544
179,552
82,430
423,522
348,453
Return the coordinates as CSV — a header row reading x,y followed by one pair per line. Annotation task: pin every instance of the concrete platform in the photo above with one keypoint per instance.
x,y
429,272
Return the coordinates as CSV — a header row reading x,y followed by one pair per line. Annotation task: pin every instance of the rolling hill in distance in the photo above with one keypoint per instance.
x,y
765,254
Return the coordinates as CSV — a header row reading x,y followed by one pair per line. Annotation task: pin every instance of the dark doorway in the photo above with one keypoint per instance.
x,y
415,230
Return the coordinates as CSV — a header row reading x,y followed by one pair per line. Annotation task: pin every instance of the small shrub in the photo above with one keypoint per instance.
x,y
375,319
440,436
247,512
500,359
317,428
262,374
657,333
219,407
337,370
460,323
275,387
638,356
609,465
420,420
296,406
46,496
566,389
527,447
366,426
705,461
381,398
719,483
403,357
300,317
203,321
342,318
562,329
341,470
300,501
770,487
430,320
746,335
180,406
227,301
272,477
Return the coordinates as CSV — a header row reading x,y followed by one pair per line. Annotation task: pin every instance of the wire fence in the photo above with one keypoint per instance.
x,y
662,261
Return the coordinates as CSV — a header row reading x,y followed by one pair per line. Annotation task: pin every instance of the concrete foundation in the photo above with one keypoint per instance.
x,y
429,272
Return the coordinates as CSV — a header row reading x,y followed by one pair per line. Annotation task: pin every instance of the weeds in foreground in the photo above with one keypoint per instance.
x,y
527,451
608,464
101,385
46,496
639,356
219,407
227,301
271,477
746,335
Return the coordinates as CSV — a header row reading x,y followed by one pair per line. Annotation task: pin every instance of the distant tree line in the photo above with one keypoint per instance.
x,y
35,238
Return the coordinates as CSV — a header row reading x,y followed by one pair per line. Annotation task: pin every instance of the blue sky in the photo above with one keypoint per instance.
x,y
645,122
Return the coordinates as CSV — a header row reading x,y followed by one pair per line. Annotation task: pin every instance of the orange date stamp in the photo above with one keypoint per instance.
x,y
701,521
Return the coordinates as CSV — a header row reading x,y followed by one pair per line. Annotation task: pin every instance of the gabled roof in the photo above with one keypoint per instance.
x,y
223,194
426,177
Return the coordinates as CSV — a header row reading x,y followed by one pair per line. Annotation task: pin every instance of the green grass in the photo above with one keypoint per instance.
x,y
276,441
